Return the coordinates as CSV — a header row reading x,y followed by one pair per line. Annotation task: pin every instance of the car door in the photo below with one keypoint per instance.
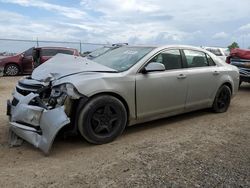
x,y
202,78
27,61
162,93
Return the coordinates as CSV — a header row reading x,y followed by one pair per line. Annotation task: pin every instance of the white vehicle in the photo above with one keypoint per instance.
x,y
222,53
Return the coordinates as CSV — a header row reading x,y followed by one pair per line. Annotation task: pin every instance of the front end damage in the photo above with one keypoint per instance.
x,y
38,112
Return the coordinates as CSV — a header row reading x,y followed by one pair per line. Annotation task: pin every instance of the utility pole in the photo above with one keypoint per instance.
x,y
80,46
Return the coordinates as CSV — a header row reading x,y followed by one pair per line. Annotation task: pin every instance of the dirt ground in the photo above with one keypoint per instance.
x,y
198,149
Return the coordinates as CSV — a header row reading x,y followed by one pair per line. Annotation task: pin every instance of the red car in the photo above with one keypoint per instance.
x,y
241,59
23,63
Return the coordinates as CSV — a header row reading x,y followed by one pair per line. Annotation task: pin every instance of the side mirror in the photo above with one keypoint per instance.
x,y
152,67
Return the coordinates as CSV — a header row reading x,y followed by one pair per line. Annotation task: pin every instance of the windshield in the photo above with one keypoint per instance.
x,y
123,58
98,52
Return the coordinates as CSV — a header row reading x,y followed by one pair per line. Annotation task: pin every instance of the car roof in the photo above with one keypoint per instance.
x,y
168,46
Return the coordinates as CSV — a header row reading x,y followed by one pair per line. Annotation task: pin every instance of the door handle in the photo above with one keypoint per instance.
x,y
181,76
216,73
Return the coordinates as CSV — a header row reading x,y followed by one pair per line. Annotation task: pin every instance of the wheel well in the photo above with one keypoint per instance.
x,y
229,85
116,96
82,101
12,63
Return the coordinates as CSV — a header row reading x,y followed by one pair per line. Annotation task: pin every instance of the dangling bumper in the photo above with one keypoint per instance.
x,y
34,124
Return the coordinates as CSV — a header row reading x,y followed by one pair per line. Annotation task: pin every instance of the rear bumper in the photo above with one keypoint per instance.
x,y
244,68
34,124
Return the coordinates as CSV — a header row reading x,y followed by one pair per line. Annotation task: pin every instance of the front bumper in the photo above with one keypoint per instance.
x,y
35,124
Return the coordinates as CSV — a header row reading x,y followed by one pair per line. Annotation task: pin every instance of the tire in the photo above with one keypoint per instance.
x,y
11,70
222,99
102,119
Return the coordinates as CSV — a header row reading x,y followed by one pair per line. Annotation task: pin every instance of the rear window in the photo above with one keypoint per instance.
x,y
215,51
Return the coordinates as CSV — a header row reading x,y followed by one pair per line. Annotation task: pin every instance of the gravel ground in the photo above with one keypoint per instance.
x,y
198,149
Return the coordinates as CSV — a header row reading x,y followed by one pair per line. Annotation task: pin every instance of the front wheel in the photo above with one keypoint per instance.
x,y
222,99
102,119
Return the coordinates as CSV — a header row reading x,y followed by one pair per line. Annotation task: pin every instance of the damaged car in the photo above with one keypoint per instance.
x,y
129,85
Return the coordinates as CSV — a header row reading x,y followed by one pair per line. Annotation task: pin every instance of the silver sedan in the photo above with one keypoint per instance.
x,y
100,97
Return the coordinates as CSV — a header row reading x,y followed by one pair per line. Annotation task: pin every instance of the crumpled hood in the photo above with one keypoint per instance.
x,y
62,65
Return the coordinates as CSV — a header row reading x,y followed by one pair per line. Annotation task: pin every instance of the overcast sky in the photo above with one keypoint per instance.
x,y
194,22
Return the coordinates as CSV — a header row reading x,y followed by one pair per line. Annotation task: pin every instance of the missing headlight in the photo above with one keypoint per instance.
x,y
60,93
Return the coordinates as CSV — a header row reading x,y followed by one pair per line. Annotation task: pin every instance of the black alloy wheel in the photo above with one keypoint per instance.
x,y
102,119
222,99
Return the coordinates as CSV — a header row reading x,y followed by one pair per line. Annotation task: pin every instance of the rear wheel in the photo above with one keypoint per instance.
x,y
222,99
11,70
102,119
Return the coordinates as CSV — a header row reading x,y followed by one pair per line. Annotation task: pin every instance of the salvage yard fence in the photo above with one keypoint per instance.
x,y
12,46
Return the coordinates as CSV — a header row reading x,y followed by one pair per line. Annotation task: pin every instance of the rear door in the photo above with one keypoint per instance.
x,y
202,77
162,93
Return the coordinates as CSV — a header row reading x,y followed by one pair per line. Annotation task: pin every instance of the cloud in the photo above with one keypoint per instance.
x,y
120,5
220,35
137,22
22,27
245,28
69,12
168,21
5,16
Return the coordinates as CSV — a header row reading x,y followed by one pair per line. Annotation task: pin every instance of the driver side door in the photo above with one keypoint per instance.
x,y
162,93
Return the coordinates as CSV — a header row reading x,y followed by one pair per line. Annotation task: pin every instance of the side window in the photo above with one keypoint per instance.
x,y
210,61
195,58
49,52
28,52
171,59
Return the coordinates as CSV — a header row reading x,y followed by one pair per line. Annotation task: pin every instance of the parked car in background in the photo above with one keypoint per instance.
x,y
222,53
128,85
241,59
100,51
23,63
